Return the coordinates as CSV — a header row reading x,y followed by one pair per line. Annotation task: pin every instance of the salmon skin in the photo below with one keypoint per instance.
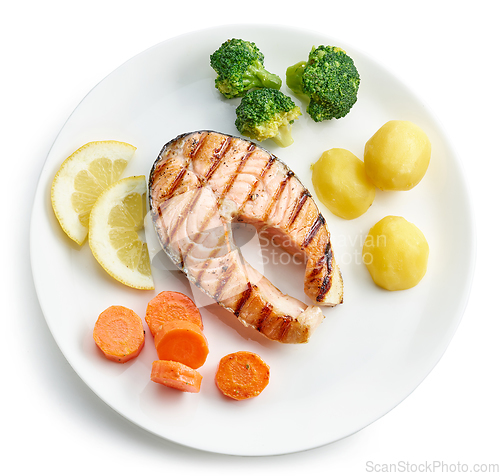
x,y
203,181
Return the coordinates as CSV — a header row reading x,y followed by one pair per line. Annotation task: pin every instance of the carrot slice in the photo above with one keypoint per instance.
x,y
119,333
182,341
176,375
242,375
171,306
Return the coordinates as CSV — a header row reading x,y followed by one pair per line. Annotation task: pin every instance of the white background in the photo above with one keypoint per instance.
x,y
54,52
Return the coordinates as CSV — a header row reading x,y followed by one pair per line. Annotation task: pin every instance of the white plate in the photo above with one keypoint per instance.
x,y
367,356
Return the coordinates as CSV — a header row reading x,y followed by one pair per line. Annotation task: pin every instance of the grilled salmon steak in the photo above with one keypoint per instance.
x,y
201,183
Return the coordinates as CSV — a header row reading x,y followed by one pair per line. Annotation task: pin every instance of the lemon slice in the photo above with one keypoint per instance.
x,y
115,221
81,179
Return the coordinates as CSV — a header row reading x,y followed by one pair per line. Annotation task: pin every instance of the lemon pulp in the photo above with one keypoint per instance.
x,y
82,177
115,221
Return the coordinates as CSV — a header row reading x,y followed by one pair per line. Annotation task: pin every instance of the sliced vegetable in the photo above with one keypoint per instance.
x,y
171,306
242,375
119,333
182,341
176,375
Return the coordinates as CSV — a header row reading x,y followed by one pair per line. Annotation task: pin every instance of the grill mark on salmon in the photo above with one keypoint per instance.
x,y
219,157
277,195
176,181
264,314
263,172
285,325
313,230
305,195
245,295
253,186
232,178
197,143
327,280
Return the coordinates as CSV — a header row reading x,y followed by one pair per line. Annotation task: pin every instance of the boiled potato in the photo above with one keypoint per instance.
x,y
341,183
396,253
397,156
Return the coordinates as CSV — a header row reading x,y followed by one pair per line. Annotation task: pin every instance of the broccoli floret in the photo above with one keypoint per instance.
x,y
329,79
240,67
267,114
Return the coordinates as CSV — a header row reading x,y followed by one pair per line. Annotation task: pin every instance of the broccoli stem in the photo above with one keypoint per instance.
x,y
284,136
256,77
268,79
294,75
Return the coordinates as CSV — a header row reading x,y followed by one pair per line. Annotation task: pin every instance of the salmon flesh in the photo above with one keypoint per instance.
x,y
202,182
